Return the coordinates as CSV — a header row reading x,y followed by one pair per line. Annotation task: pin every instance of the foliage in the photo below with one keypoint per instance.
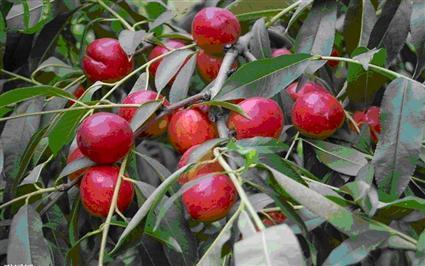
x,y
347,199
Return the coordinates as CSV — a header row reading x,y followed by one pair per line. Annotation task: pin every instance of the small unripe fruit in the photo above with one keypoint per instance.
x,y
265,119
317,114
141,97
211,199
160,50
274,218
104,137
333,63
280,51
213,28
208,66
308,87
199,170
97,189
105,60
189,127
75,155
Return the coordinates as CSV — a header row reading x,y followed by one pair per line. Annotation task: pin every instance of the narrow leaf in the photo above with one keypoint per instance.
x,y
276,245
391,28
248,80
317,33
180,86
169,67
27,244
359,21
22,94
403,121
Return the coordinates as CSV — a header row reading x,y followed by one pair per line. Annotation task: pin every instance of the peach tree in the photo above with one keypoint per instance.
x,y
157,132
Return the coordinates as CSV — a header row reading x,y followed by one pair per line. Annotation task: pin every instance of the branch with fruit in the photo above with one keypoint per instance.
x,y
237,178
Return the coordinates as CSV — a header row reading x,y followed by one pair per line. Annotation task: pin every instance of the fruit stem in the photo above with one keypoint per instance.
x,y
353,122
190,100
21,77
248,55
371,66
281,13
292,145
243,196
60,188
115,14
111,211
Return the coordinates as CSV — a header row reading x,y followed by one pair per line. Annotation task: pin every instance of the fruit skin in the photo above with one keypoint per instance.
x,y
77,93
199,170
104,137
75,155
371,118
105,60
333,63
97,188
140,97
208,66
280,51
317,114
210,199
213,28
162,49
189,127
266,119
308,87
276,218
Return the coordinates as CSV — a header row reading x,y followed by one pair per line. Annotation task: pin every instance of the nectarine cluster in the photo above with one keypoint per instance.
x,y
105,138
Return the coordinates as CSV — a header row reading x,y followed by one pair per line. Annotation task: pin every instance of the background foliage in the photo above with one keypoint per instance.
x,y
347,200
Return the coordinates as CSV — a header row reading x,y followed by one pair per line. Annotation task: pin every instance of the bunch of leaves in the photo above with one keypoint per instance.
x,y
346,199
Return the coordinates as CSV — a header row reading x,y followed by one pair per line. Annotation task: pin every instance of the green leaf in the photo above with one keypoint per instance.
x,y
417,20
160,169
213,254
317,33
150,202
143,113
243,8
363,194
63,131
249,80
363,85
173,230
169,67
130,40
304,4
400,208
22,94
230,106
403,121
180,86
339,158
391,28
76,165
27,244
272,246
355,249
259,45
203,149
262,145
359,21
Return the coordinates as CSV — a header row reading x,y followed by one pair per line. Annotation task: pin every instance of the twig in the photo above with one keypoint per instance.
x,y
243,196
60,188
248,55
190,100
115,14
21,77
111,211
